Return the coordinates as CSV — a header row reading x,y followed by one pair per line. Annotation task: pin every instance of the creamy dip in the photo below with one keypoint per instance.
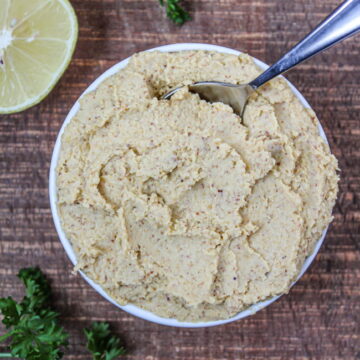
x,y
180,206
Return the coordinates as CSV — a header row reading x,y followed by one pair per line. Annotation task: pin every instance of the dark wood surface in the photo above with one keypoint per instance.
x,y
319,318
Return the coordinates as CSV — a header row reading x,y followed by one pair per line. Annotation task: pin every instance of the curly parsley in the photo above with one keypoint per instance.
x,y
32,325
101,343
175,12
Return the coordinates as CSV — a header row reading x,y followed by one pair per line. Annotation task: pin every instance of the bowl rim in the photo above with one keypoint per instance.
x,y
132,309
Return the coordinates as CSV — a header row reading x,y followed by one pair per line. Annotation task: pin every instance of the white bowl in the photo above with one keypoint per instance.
x,y
131,309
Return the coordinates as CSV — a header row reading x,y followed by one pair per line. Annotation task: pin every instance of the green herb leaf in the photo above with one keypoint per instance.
x,y
101,343
10,310
175,12
34,330
37,288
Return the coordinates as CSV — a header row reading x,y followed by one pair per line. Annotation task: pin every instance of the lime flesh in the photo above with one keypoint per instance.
x,y
37,40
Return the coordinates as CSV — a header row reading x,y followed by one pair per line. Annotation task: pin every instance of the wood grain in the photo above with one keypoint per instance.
x,y
319,318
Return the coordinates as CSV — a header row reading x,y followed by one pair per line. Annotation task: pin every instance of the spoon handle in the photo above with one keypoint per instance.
x,y
340,24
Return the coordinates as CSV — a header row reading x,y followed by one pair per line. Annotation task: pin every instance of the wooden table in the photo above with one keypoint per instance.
x,y
320,318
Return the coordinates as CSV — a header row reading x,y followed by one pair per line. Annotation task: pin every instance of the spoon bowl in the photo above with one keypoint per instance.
x,y
215,91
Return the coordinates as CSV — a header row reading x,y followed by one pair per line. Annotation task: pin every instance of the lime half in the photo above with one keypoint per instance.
x,y
37,40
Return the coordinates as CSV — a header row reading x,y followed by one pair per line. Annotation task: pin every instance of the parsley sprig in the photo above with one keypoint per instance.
x,y
175,11
32,325
101,343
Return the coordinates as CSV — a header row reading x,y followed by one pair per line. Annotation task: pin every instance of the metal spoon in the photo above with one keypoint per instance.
x,y
342,23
